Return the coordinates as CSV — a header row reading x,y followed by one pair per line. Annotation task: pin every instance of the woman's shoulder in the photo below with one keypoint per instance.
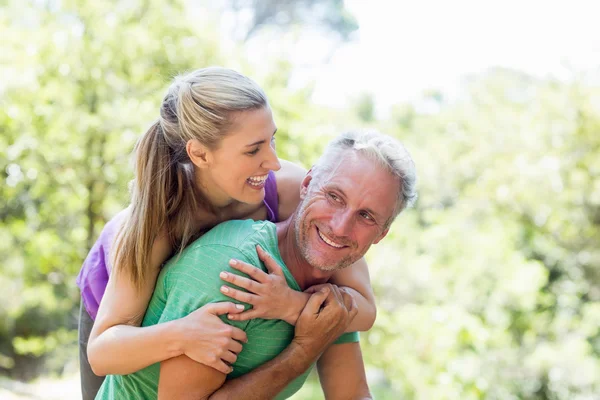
x,y
289,177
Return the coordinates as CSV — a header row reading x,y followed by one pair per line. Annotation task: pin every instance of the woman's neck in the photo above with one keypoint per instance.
x,y
211,192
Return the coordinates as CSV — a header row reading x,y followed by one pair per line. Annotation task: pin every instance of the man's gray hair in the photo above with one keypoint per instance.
x,y
383,149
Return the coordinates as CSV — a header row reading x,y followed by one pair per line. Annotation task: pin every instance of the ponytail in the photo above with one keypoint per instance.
x,y
162,198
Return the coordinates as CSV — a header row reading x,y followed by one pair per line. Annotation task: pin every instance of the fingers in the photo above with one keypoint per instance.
x,y
224,308
350,304
229,357
245,316
239,335
239,295
271,264
334,295
221,367
235,346
255,273
227,330
240,281
347,299
316,300
315,288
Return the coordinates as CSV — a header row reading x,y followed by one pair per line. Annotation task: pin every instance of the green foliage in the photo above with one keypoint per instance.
x,y
83,81
494,292
80,91
488,289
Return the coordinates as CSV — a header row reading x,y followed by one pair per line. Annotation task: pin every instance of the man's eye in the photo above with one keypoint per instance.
x,y
334,197
366,216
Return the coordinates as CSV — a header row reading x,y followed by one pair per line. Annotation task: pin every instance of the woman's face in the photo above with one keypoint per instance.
x,y
238,168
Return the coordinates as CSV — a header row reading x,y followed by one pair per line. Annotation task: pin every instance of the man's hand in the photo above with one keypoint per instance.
x,y
325,317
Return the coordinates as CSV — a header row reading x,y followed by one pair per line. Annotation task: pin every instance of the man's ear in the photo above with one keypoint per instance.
x,y
199,154
305,183
383,234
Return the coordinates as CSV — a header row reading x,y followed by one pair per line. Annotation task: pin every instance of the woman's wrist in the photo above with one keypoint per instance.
x,y
296,304
174,335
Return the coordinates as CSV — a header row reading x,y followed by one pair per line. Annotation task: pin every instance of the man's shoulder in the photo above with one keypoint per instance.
x,y
231,239
237,234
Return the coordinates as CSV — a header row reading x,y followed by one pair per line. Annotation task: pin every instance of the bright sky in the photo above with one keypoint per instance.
x,y
405,47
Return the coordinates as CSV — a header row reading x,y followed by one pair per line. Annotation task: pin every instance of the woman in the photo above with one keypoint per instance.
x,y
209,158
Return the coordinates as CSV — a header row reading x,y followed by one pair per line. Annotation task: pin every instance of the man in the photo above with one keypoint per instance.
x,y
348,201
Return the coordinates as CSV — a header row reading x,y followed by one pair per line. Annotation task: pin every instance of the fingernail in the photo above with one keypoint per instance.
x,y
232,262
239,306
223,274
224,289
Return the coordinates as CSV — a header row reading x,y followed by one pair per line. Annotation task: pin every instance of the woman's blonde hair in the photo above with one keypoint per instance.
x,y
199,105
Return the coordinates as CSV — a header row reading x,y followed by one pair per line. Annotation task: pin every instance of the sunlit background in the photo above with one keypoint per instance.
x,y
488,289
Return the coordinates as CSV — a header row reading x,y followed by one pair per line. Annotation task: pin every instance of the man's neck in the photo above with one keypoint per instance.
x,y
304,273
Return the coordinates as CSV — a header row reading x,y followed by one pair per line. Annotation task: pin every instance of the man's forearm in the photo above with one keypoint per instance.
x,y
270,378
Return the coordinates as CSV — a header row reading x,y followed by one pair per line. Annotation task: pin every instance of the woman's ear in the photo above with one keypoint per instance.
x,y
198,153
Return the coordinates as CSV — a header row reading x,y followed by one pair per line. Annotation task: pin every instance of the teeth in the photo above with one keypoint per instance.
x,y
329,242
257,180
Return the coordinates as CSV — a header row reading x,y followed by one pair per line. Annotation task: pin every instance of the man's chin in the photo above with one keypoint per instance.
x,y
330,267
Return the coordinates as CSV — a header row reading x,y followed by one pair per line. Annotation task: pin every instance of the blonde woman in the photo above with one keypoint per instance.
x,y
209,158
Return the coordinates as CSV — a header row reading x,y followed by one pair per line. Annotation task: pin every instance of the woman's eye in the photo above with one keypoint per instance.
x,y
253,152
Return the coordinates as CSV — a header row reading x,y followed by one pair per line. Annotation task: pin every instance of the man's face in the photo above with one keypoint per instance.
x,y
345,212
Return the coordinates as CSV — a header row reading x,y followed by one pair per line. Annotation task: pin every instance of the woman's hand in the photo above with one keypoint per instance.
x,y
269,294
210,341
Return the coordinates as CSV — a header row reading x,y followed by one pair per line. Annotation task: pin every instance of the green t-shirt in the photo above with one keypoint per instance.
x,y
191,281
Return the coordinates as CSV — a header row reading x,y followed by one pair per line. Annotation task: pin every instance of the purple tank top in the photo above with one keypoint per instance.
x,y
93,277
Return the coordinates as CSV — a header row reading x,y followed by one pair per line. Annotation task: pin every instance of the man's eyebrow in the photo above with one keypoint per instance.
x,y
260,141
373,212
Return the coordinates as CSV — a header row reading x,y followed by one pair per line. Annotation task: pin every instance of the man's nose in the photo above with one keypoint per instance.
x,y
341,223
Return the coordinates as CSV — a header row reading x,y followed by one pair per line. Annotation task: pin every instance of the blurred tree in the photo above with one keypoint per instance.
x,y
330,16
494,291
364,107
81,81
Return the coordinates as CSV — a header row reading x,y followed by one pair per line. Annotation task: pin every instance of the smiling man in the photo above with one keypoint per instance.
x,y
349,199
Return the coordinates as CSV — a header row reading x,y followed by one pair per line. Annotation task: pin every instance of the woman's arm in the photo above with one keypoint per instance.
x,y
267,292
118,345
357,282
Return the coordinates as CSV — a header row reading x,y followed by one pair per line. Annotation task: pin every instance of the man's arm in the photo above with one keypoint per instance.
x,y
183,378
342,373
324,318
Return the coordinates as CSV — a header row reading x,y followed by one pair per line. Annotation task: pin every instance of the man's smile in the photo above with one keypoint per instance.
x,y
329,241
